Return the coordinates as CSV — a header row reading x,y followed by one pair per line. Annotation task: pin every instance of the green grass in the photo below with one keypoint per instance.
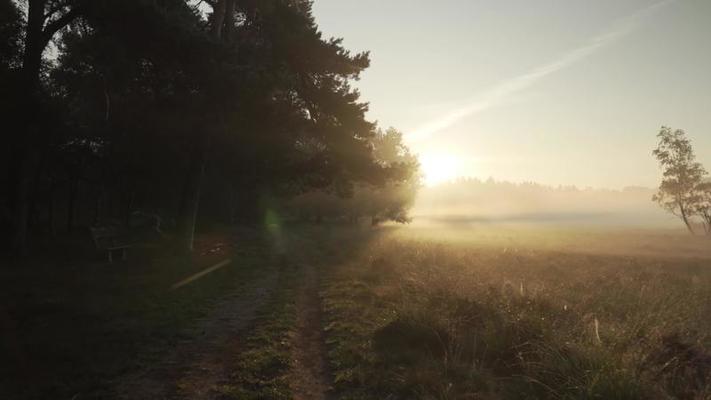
x,y
428,319
264,362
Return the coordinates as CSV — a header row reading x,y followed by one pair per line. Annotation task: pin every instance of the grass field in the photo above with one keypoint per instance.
x,y
419,312
515,313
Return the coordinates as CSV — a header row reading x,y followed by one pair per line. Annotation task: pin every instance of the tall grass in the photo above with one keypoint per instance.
x,y
431,320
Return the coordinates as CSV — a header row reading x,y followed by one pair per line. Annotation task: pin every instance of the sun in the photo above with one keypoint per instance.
x,y
439,168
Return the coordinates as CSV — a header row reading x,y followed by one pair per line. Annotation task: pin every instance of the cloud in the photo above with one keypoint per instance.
x,y
505,90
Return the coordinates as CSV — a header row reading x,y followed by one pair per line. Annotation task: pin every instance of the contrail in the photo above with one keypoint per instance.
x,y
501,92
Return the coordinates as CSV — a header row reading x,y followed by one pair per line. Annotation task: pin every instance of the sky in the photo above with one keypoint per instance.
x,y
567,92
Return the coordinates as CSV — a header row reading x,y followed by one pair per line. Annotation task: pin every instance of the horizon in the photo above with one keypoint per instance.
x,y
466,178
475,201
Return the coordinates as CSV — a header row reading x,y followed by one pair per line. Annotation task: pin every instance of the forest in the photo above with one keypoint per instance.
x,y
199,113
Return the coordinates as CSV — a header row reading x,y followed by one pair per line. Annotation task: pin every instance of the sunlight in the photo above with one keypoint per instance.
x,y
439,168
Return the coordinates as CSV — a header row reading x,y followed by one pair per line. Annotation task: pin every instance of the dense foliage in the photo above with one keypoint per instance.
x,y
684,190
384,201
194,111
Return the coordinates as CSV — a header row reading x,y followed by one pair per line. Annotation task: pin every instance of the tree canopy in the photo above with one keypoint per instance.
x,y
379,201
195,110
683,190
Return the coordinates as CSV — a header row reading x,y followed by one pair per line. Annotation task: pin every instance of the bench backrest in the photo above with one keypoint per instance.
x,y
103,235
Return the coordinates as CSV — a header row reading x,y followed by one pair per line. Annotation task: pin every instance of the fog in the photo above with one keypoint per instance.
x,y
469,201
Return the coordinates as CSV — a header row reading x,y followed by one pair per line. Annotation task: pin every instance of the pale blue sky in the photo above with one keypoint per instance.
x,y
553,91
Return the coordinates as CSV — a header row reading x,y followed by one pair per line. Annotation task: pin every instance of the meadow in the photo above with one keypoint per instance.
x,y
518,312
339,312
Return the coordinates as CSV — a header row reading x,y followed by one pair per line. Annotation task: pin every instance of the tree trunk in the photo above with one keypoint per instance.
x,y
228,32
22,198
707,222
97,206
71,205
232,205
218,19
685,218
37,36
50,208
128,206
190,201
31,64
33,214
191,194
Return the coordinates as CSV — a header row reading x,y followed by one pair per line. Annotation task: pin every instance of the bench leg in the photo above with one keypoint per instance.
x,y
123,254
111,257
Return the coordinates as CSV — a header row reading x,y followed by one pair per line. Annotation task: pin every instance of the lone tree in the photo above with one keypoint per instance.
x,y
682,188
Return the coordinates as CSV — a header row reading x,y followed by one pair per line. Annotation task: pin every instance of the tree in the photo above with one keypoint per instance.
x,y
703,206
282,111
11,32
45,18
392,200
185,112
389,197
10,61
682,175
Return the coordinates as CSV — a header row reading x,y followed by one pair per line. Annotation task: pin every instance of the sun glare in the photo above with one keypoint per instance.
x,y
439,168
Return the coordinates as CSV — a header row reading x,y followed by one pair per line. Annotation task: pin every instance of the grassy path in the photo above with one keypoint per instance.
x,y
263,340
197,368
79,329
308,377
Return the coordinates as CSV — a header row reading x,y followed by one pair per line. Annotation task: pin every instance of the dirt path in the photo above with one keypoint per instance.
x,y
203,366
309,378
197,368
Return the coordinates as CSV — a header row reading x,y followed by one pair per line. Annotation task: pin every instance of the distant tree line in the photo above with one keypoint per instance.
x,y
469,199
685,190
197,110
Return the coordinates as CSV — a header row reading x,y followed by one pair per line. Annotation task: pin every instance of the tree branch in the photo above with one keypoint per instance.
x,y
54,10
59,23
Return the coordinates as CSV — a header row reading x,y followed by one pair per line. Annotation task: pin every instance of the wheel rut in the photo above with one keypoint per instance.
x,y
309,378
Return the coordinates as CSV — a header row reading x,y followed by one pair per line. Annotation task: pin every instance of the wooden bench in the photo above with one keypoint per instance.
x,y
110,239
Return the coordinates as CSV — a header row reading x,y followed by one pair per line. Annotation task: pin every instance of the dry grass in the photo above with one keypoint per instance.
x,y
452,315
